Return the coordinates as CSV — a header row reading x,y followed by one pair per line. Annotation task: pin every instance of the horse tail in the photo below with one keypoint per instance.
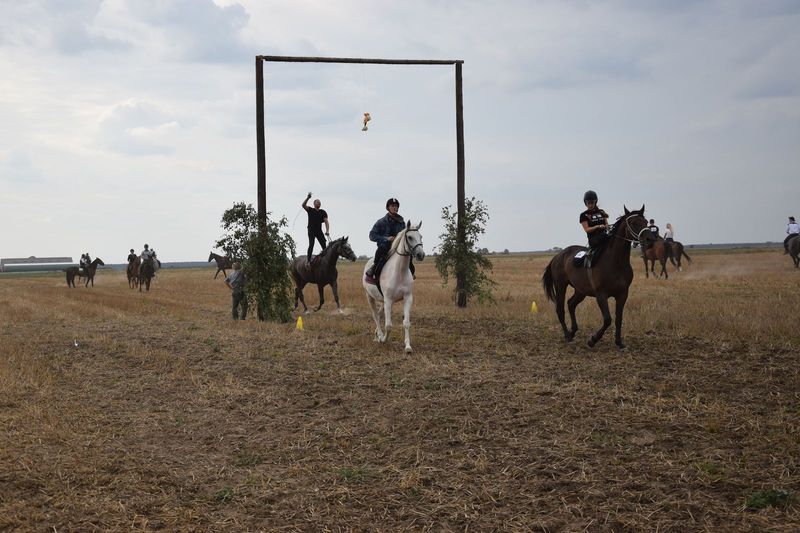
x,y
547,281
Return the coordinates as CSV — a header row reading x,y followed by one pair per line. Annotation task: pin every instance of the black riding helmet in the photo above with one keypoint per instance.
x,y
589,196
391,201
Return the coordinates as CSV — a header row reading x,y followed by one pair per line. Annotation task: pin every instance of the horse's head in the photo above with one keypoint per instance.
x,y
634,227
413,241
210,256
98,261
345,250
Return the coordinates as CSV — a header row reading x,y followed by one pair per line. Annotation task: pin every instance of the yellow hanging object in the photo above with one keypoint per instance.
x,y
534,309
299,325
367,118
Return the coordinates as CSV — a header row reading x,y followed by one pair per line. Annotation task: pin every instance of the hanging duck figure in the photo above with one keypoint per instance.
x,y
367,118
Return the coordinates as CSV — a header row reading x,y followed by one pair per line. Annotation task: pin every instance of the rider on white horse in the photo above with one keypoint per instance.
x,y
383,233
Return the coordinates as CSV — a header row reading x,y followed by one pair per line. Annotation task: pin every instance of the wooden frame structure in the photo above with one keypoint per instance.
x,y
461,298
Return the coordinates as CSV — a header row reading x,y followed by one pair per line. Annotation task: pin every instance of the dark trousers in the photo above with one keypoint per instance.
x,y
239,298
318,235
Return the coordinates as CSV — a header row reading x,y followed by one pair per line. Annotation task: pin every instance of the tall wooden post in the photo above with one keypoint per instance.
x,y
461,295
261,144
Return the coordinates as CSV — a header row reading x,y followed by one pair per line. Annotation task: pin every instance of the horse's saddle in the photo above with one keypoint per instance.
x,y
579,258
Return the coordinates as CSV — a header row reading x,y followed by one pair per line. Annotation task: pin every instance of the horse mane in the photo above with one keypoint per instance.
x,y
330,246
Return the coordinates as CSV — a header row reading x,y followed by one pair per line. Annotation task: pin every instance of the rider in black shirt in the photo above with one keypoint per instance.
x,y
132,256
595,222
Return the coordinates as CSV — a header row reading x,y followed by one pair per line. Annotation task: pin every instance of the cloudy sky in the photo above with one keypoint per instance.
x,y
132,121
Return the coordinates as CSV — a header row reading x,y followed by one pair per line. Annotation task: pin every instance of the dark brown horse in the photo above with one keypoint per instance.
x,y
223,263
133,272
88,273
652,253
609,277
146,272
322,272
794,250
674,251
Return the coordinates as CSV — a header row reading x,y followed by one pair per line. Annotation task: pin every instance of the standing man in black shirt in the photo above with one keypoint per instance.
x,y
316,217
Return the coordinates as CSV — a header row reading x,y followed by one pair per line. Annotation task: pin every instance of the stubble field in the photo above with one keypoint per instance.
x,y
167,415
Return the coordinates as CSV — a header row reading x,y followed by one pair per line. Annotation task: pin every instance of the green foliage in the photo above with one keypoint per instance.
x,y
464,260
768,498
264,254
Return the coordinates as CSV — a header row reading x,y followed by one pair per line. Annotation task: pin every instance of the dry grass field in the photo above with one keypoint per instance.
x,y
169,416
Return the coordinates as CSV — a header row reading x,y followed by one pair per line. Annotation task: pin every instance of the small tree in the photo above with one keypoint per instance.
x,y
264,253
464,260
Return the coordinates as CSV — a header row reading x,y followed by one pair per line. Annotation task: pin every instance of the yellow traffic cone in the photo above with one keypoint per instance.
x,y
534,309
299,325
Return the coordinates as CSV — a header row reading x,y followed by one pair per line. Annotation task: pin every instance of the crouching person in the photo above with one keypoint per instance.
x,y
235,282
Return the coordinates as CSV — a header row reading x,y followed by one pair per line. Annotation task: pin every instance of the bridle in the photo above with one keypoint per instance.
x,y
408,244
635,237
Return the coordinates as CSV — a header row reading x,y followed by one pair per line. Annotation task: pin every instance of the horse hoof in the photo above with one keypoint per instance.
x,y
591,343
621,347
408,350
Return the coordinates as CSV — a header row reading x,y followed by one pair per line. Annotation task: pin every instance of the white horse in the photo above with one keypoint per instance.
x,y
396,282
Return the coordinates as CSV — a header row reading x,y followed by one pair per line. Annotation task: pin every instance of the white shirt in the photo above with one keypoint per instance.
x,y
146,254
668,234
793,228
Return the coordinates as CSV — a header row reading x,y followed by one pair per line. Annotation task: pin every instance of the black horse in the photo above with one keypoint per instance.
x,y
322,272
146,272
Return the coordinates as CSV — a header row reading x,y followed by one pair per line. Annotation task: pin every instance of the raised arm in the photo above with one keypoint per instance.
x,y
303,205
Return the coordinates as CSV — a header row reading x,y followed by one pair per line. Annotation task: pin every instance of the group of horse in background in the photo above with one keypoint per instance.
x,y
660,251
141,272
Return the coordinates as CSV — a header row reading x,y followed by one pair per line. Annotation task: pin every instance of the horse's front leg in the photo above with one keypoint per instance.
x,y
646,273
620,305
407,320
376,316
321,288
387,311
335,289
217,274
602,302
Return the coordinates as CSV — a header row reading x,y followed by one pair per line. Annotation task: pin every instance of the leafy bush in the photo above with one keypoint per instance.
x,y
462,260
264,254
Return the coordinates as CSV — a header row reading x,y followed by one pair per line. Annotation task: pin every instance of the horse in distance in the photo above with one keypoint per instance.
x,y
223,263
133,272
88,273
656,251
794,251
321,272
610,276
146,272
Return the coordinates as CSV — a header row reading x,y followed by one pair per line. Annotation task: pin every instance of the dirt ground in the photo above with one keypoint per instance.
x,y
129,411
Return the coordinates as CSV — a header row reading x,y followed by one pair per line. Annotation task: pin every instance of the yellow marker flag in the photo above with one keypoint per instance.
x,y
534,309
299,325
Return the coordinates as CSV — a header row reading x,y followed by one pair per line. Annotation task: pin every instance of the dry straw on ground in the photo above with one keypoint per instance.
x,y
168,415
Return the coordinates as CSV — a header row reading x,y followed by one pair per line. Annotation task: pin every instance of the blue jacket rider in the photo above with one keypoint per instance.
x,y
383,233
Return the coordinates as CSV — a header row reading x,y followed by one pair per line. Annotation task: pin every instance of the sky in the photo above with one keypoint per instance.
x,y
124,122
